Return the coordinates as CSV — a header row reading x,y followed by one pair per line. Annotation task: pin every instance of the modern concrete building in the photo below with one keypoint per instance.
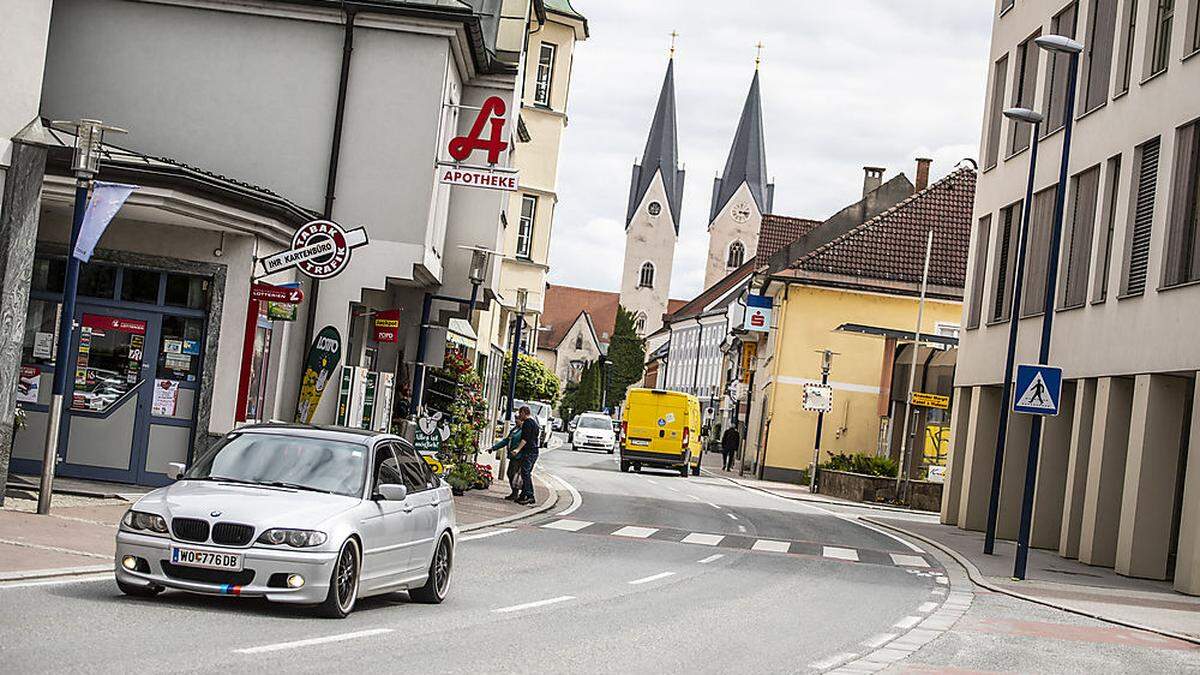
x,y
1118,481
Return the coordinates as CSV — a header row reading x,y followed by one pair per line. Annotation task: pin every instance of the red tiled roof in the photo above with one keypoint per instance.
x,y
775,232
697,304
891,246
564,304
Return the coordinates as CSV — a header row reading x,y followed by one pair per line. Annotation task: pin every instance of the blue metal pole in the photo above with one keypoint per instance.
x,y
418,387
1035,431
1014,319
62,358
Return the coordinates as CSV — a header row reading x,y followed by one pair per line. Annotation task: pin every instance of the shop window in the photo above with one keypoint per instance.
x,y
140,286
41,333
97,280
179,351
109,363
48,274
187,291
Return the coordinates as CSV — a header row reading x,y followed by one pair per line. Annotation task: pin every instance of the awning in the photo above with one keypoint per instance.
x,y
898,335
459,332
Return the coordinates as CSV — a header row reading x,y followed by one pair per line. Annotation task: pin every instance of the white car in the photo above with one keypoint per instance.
x,y
594,431
541,412
295,514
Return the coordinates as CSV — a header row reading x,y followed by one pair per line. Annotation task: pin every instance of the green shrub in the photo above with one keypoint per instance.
x,y
871,465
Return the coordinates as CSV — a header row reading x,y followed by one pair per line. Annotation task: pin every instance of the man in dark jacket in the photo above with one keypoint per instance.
x,y
730,441
527,453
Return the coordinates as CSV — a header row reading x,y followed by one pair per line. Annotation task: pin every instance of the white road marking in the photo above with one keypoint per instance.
x,y
576,498
880,640
938,591
840,553
908,560
771,546
705,539
106,576
712,558
280,646
485,535
832,661
907,622
943,581
712,505
651,481
536,603
732,516
567,524
635,532
652,577
696,498
741,528
927,607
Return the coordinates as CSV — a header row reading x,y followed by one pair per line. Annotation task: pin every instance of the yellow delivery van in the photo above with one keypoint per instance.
x,y
661,428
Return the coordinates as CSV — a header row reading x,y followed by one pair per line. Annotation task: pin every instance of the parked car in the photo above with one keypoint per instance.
x,y
556,424
295,514
595,432
541,412
661,428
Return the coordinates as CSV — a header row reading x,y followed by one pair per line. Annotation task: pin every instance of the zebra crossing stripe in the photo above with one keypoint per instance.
x,y
840,553
908,560
635,532
705,539
567,525
771,546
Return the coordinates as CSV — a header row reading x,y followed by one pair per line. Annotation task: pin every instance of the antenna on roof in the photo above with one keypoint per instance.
x,y
758,54
674,34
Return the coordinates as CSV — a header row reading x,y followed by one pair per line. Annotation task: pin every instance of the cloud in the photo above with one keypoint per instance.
x,y
844,84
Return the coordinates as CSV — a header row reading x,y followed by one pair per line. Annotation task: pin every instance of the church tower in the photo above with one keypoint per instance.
x,y
740,196
652,217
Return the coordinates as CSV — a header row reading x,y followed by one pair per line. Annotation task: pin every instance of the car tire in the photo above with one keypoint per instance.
x,y
610,451
637,467
343,582
135,591
438,583
624,466
696,469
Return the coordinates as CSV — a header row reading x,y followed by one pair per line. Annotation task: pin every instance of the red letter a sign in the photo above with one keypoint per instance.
x,y
461,147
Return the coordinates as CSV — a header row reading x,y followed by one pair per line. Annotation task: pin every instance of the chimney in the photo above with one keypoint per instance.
x,y
872,178
923,173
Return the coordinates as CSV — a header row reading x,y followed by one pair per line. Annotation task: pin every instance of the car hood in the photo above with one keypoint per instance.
x,y
249,504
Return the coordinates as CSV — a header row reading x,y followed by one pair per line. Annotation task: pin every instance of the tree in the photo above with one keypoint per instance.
x,y
584,395
627,351
535,382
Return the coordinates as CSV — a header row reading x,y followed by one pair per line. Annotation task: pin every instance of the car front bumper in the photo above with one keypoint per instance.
x,y
315,566
593,443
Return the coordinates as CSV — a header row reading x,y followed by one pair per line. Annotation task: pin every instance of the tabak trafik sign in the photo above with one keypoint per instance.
x,y
320,248
491,120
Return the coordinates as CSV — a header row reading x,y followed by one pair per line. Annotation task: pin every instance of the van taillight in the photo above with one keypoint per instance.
x,y
686,435
624,430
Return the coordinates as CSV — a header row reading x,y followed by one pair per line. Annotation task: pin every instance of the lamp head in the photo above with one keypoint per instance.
x,y
522,300
1024,115
1059,43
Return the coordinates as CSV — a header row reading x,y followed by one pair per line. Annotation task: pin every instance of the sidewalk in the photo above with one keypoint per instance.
x,y
1055,581
78,536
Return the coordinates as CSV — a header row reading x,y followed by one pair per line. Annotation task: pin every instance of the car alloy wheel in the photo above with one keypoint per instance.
x,y
438,581
343,583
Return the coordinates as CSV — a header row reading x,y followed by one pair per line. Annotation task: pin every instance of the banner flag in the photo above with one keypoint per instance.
x,y
106,200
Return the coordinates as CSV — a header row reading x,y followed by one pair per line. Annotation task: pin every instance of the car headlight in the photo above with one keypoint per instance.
x,y
140,521
293,538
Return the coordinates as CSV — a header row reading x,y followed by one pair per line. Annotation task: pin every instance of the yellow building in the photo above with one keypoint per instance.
x,y
851,285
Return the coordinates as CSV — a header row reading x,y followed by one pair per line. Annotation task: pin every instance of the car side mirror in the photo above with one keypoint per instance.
x,y
175,470
393,492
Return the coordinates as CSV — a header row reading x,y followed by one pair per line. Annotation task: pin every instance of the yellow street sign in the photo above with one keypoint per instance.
x,y
930,400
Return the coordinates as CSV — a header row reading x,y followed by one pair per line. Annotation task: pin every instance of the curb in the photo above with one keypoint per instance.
x,y
977,577
53,573
827,502
539,509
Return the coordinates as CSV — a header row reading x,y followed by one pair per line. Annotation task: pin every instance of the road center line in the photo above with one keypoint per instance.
x,y
280,646
652,577
712,558
712,505
485,535
732,516
536,603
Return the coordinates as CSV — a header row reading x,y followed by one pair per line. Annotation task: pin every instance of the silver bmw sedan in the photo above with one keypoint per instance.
x,y
295,514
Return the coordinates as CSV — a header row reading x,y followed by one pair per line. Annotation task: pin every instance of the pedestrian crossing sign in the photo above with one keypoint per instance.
x,y
1038,390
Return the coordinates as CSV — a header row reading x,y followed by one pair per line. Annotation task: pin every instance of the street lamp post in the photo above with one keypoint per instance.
x,y
826,364
1035,118
89,139
522,301
1062,45
604,364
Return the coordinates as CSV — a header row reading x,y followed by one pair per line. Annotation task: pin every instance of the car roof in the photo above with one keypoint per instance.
x,y
327,432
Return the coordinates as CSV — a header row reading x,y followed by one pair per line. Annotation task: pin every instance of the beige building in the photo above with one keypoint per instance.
x,y
1118,482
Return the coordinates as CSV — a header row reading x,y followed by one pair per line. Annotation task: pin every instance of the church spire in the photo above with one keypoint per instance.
x,y
747,162
661,153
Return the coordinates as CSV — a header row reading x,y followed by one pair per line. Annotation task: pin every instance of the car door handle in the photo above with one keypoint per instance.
x,y
406,508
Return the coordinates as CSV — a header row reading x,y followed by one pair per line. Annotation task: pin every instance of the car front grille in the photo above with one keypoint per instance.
x,y
190,529
204,576
232,534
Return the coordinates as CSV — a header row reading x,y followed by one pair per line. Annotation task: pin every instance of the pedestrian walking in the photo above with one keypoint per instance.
x,y
527,453
508,444
730,441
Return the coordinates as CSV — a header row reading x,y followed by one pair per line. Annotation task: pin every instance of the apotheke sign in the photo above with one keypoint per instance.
x,y
320,248
491,120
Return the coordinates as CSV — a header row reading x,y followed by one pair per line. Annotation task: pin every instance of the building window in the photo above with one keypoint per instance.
x,y
983,230
639,325
1160,54
1077,248
1194,42
1059,66
1041,217
1006,5
1024,82
1104,255
646,278
1183,249
1137,255
545,74
737,255
1128,33
578,342
996,112
1005,263
1101,34
525,226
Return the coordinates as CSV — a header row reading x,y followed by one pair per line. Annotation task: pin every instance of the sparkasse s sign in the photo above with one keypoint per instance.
x,y
758,314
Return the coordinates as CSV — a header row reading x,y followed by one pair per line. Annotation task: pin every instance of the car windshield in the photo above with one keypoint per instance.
x,y
594,423
539,410
301,462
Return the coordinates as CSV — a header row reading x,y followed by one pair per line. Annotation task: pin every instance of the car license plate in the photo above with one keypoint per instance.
x,y
191,557
639,441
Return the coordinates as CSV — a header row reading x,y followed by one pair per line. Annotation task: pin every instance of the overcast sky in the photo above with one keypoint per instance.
x,y
845,83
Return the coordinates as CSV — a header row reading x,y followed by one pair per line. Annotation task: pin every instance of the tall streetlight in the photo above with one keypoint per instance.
x,y
89,140
604,365
1059,45
518,321
1026,116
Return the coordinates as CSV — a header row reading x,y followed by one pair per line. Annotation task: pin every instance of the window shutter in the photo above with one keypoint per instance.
x,y
1112,190
1000,82
1180,265
1079,238
1001,299
982,232
1033,296
1138,256
1100,52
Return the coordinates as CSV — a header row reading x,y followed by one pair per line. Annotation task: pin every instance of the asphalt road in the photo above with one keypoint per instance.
x,y
641,571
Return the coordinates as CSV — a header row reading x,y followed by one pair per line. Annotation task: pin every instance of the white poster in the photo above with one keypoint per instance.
x,y
43,345
166,393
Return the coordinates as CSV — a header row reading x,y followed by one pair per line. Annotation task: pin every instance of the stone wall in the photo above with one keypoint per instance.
x,y
921,495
